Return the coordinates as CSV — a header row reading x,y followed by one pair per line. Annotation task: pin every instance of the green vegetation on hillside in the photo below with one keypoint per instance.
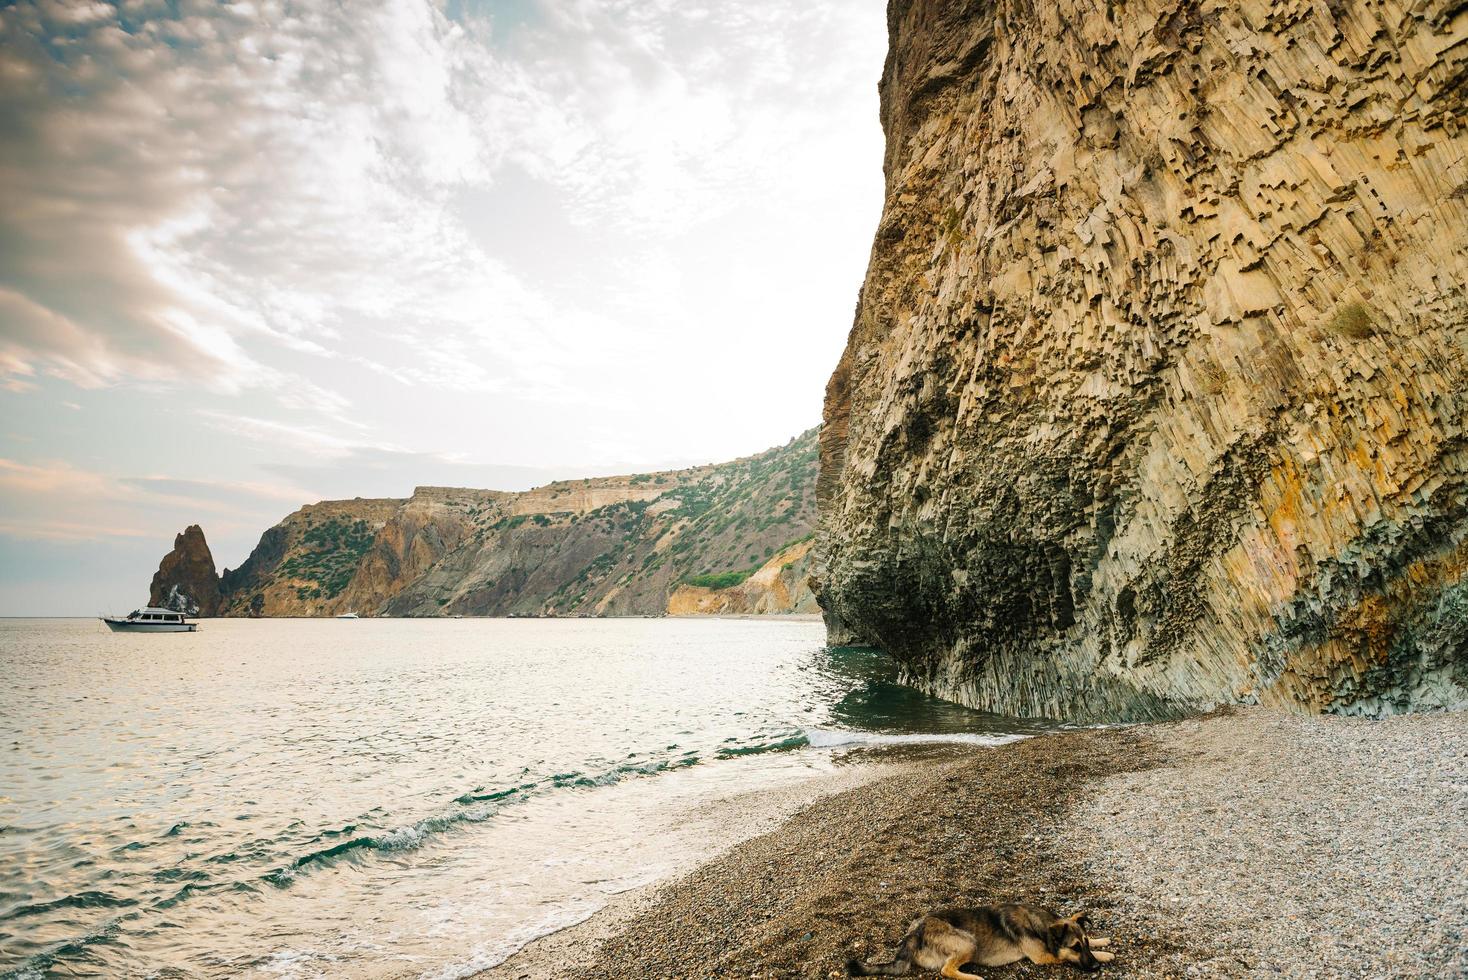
x,y
720,580
334,549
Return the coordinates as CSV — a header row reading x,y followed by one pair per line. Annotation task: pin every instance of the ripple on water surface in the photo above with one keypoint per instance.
x,y
389,797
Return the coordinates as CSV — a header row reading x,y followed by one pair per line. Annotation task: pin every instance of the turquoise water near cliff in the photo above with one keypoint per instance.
x,y
392,797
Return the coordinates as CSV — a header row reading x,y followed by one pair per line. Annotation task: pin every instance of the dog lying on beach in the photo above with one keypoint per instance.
x,y
991,935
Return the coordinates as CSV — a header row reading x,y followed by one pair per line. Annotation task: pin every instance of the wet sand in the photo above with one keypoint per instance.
x,y
1245,843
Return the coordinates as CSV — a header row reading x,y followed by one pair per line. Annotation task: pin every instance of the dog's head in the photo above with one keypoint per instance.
x,y
1068,936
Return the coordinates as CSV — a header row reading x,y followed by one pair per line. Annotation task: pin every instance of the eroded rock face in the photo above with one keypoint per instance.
x,y
186,581
601,546
609,546
432,522
303,564
1155,395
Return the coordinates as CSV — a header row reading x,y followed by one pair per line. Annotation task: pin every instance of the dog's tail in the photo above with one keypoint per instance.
x,y
898,967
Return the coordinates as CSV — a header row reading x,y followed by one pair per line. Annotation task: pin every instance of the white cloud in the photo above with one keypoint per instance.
x,y
281,435
58,501
239,179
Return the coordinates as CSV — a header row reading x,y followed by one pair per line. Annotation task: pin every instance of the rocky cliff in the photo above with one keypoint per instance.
x,y
604,546
618,545
302,565
186,580
1155,395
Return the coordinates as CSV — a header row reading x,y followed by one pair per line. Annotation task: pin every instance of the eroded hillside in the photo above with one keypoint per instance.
x,y
603,546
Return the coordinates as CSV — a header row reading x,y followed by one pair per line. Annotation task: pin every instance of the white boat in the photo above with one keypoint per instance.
x,y
150,620
349,615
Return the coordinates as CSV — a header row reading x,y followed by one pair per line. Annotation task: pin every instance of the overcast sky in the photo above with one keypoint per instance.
x,y
259,254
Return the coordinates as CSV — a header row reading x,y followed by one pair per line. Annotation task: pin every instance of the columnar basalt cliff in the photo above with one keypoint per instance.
x,y
1155,395
186,580
618,545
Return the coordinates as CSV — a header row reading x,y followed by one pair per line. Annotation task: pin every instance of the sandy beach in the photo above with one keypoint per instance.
x,y
1245,843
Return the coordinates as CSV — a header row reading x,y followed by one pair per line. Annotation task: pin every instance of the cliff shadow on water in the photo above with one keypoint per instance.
x,y
868,694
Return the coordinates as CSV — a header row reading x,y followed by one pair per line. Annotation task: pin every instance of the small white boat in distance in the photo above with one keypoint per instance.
x,y
349,615
149,620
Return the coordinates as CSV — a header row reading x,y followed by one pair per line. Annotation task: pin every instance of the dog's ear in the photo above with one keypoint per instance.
x,y
1083,919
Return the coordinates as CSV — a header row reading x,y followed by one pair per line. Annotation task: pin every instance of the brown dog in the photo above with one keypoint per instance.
x,y
991,935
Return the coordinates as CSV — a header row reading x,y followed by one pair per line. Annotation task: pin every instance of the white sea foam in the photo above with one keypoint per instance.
x,y
826,738
400,839
291,963
492,954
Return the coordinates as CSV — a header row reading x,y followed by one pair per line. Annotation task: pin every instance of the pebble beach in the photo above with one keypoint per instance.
x,y
1245,843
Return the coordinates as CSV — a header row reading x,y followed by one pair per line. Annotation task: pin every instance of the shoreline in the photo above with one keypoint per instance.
x,y
731,822
721,823
1241,843
728,822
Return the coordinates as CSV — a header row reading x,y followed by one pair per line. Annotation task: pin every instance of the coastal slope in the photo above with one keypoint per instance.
x,y
620,545
1155,395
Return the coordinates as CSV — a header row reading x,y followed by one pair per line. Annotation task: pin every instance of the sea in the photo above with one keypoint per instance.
x,y
395,797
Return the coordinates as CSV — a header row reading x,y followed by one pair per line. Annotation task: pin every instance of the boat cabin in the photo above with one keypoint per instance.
x,y
151,615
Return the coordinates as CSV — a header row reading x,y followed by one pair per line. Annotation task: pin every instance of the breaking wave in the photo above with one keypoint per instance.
x,y
482,804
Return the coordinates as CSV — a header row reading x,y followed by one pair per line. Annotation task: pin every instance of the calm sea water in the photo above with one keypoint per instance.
x,y
389,797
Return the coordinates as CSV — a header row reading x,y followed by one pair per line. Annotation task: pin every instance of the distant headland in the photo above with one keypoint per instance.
x,y
725,538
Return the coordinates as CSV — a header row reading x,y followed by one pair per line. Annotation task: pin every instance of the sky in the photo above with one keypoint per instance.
x,y
254,255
